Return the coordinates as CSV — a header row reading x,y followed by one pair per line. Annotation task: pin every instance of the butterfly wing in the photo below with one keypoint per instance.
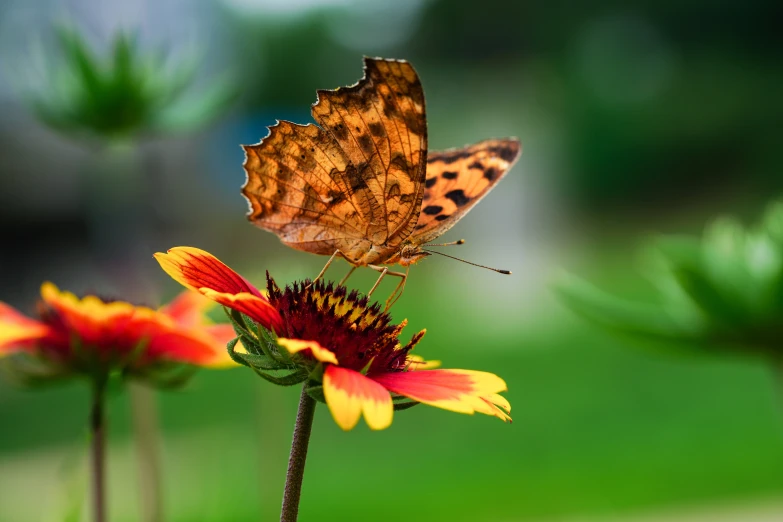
x,y
380,125
457,179
301,186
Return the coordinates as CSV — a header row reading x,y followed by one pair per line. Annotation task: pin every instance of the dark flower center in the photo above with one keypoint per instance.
x,y
358,334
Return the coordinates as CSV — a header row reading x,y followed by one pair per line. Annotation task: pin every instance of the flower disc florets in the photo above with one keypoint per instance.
x,y
362,337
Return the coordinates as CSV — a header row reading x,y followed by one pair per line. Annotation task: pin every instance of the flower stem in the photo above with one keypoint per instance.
x,y
98,450
146,435
296,461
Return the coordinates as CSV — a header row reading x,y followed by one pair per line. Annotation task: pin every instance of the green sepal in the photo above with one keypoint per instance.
x,y
316,391
406,405
290,379
317,373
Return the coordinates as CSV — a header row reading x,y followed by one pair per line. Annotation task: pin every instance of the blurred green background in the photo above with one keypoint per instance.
x,y
635,118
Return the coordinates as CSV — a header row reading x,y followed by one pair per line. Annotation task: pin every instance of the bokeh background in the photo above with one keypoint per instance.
x,y
636,118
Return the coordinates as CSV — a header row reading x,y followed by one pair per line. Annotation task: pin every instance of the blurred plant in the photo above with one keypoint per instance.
x,y
118,99
345,351
107,342
721,293
126,95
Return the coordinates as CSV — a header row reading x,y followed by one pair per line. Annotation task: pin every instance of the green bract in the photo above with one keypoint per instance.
x,y
721,292
125,95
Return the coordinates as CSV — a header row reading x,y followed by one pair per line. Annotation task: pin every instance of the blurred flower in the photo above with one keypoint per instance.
x,y
96,337
348,352
127,94
723,292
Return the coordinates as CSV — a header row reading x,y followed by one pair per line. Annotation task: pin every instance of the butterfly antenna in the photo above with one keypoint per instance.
x,y
457,242
507,272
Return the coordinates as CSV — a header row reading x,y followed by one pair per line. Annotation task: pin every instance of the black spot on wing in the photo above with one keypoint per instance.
x,y
340,132
430,182
377,130
398,160
335,197
451,157
491,173
458,197
355,177
508,154
432,210
441,217
365,142
476,165
415,123
449,174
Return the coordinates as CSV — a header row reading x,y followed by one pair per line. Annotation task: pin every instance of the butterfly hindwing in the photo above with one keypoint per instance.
x,y
457,179
380,125
301,186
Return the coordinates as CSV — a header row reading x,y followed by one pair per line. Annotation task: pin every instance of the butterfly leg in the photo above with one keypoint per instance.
x,y
384,272
398,291
326,266
344,279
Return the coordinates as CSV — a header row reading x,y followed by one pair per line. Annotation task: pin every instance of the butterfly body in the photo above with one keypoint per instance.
x,y
361,184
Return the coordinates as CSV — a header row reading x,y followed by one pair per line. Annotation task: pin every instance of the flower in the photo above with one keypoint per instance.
x,y
90,334
348,352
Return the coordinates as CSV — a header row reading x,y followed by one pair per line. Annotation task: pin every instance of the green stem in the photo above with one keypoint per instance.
x,y
98,451
145,431
296,461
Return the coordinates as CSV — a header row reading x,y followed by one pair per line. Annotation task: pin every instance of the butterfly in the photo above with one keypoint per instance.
x,y
361,184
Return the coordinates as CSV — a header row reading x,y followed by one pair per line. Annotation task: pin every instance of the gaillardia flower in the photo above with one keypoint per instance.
x,y
348,352
96,336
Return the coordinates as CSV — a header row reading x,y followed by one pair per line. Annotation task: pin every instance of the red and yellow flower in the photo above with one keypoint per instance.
x,y
350,348
89,333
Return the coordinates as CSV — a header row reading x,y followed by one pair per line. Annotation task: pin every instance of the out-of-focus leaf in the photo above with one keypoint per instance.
x,y
619,314
723,292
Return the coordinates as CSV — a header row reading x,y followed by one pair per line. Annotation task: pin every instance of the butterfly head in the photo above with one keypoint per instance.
x,y
410,254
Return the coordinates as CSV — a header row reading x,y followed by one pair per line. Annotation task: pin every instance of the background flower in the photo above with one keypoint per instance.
x,y
95,336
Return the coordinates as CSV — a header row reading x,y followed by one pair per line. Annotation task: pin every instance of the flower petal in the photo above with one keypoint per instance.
x,y
201,271
221,334
417,363
349,394
177,345
462,391
96,322
497,406
18,331
319,352
257,308
196,269
187,309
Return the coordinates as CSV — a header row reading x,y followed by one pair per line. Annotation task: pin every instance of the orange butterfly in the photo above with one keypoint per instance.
x,y
363,185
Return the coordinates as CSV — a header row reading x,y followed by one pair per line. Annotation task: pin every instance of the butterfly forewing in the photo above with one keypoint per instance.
x,y
301,186
380,125
457,179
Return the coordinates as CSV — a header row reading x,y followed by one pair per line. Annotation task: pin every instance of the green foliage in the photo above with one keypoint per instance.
x,y
723,291
125,95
